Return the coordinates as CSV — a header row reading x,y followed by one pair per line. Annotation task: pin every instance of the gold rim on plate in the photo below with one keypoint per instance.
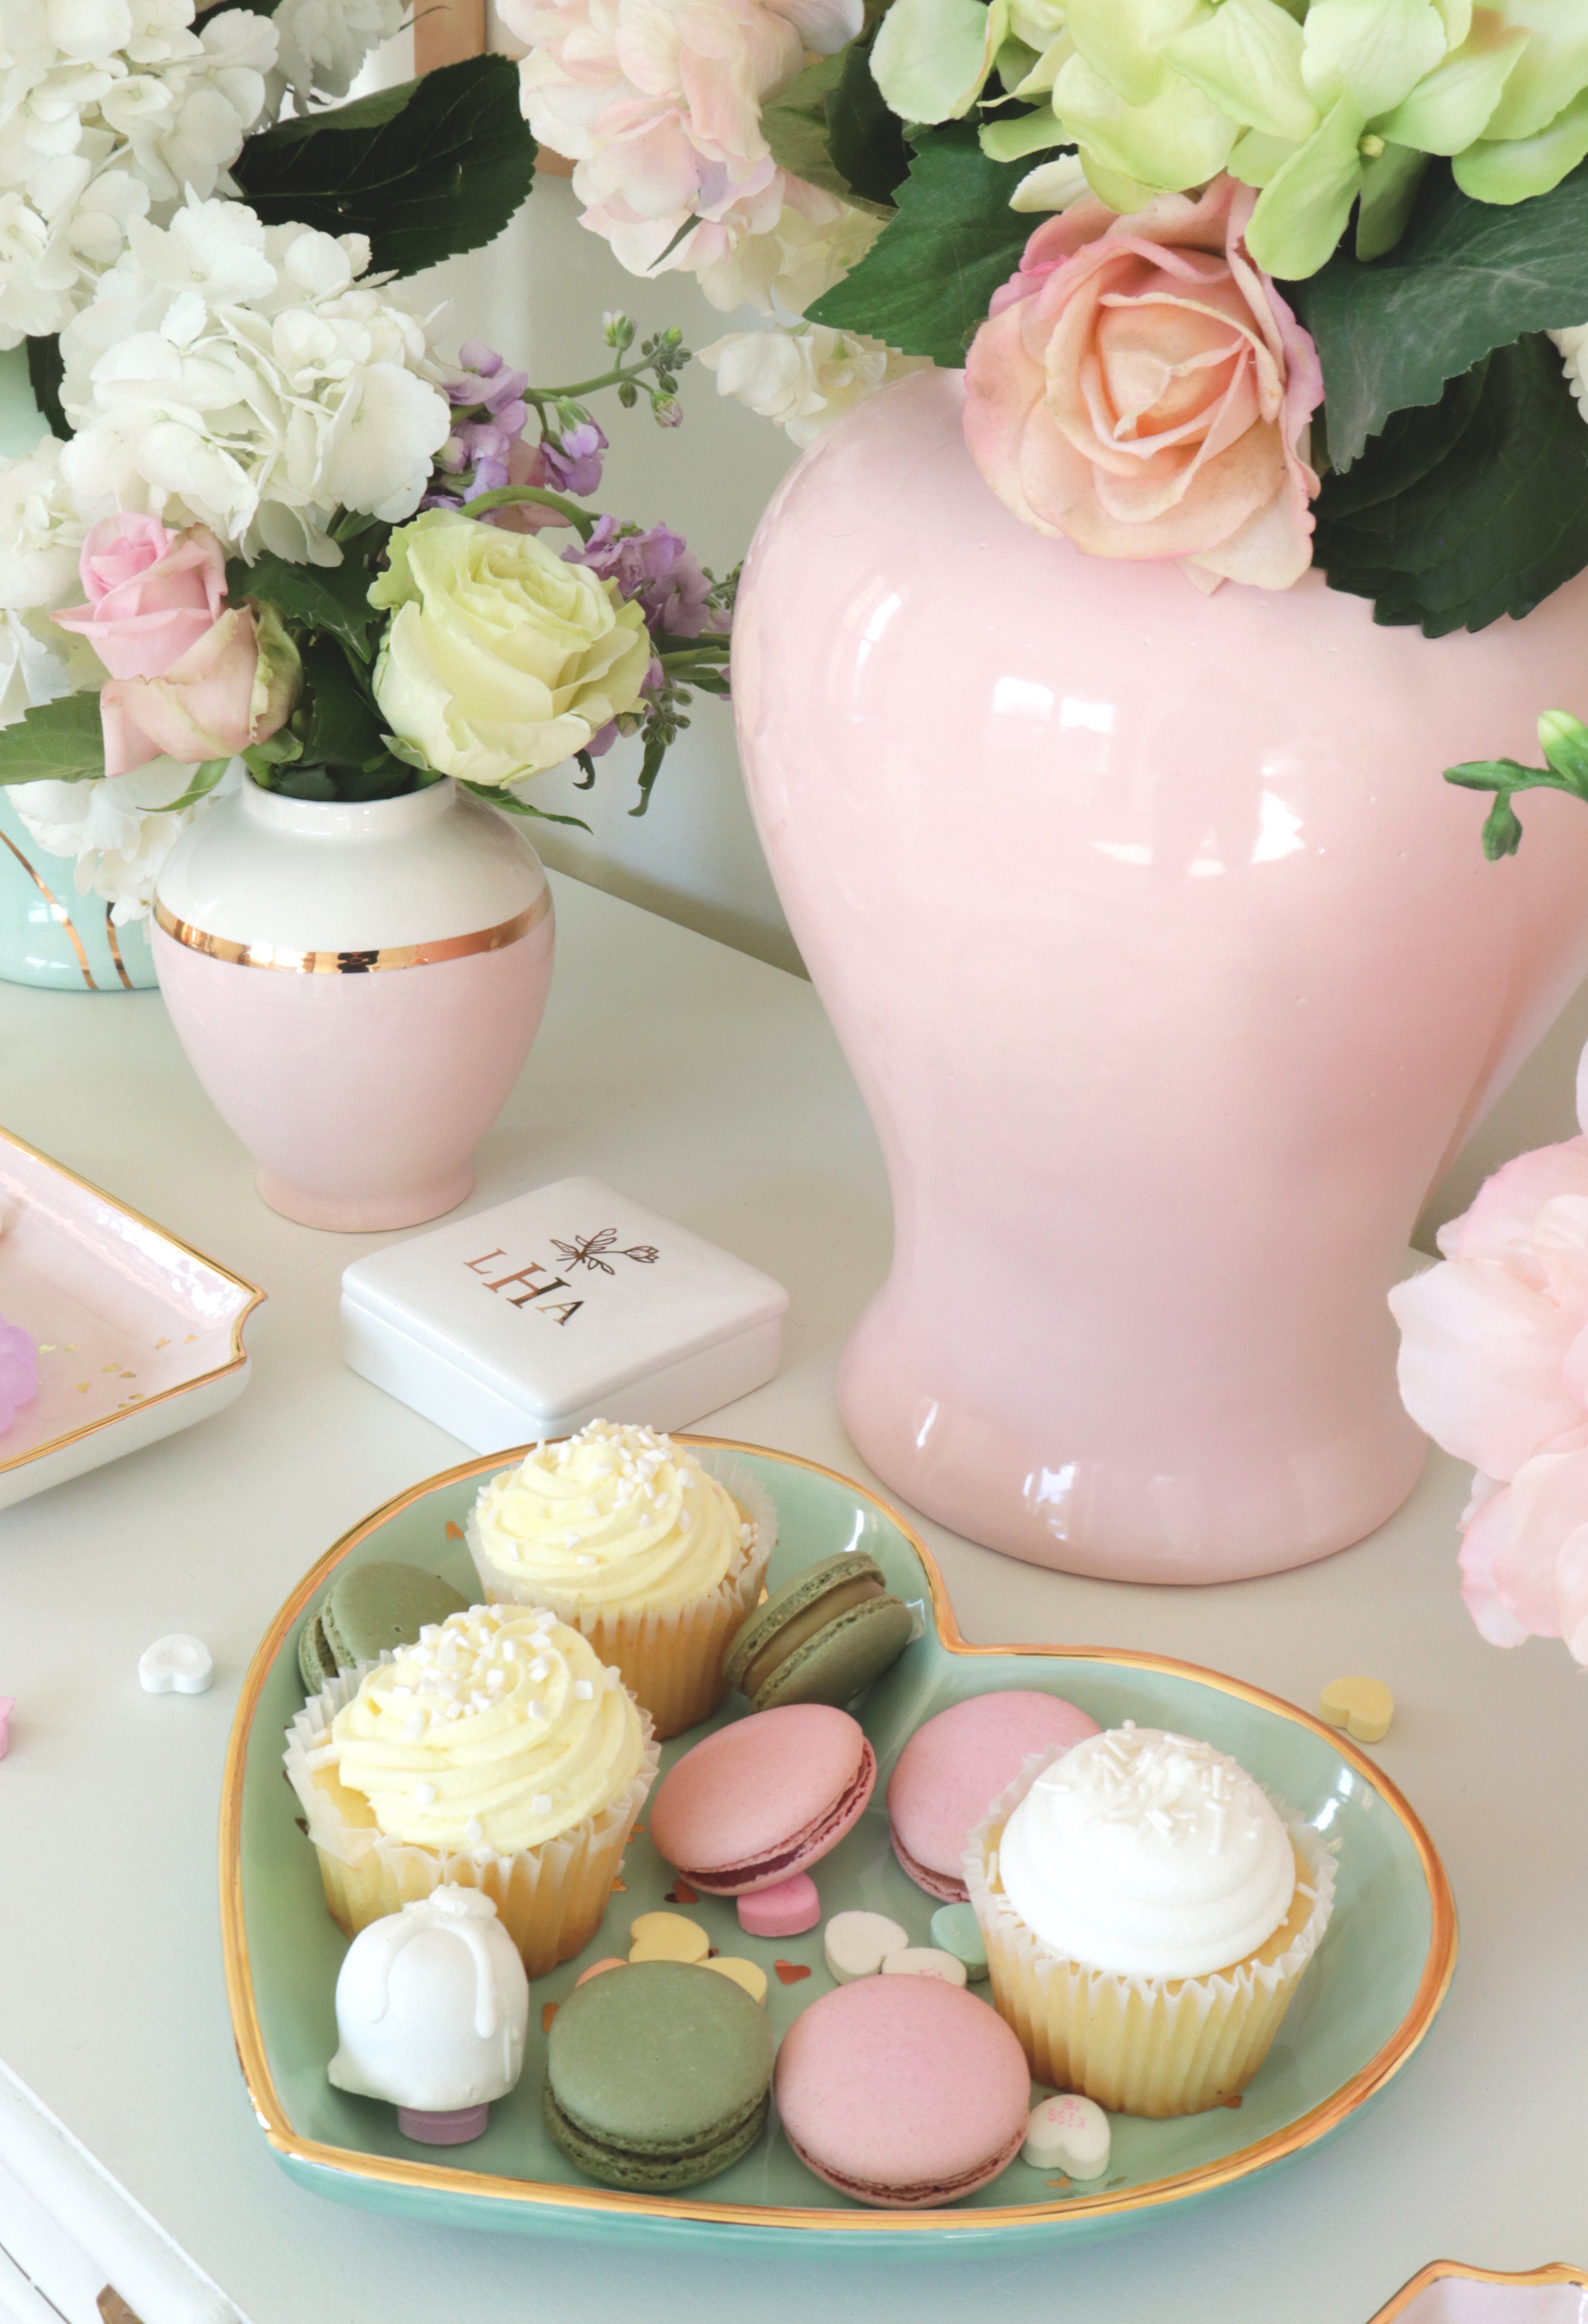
x,y
1438,1968
239,1354
1441,2271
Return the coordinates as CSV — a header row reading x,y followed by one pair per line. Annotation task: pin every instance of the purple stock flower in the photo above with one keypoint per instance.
x,y
487,381
573,461
656,568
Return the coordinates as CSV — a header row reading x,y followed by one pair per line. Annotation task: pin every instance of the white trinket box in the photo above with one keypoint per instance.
x,y
567,1305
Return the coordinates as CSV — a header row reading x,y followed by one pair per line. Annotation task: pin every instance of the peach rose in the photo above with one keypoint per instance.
x,y
151,593
1142,388
236,686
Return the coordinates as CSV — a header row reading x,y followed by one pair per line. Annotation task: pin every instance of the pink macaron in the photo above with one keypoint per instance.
x,y
902,2092
953,1768
763,1798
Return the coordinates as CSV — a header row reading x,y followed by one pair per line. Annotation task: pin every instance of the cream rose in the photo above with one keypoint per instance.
x,y
1142,388
500,661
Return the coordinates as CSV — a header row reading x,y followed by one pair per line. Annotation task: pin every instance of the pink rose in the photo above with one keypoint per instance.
x,y
526,465
1142,388
151,593
236,686
1494,1366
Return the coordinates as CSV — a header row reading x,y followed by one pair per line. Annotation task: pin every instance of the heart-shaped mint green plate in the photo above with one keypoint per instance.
x,y
1365,2002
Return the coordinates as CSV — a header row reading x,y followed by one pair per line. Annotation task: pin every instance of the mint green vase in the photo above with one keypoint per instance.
x,y
48,934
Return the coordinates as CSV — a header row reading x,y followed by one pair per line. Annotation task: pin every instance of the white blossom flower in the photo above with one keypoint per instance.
x,y
31,670
324,44
242,377
41,531
1573,348
118,829
110,109
814,244
659,104
804,379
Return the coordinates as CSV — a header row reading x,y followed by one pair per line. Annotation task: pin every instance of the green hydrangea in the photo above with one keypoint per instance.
x,y
1320,104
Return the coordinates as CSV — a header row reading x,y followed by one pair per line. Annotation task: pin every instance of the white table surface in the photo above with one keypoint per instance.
x,y
709,1085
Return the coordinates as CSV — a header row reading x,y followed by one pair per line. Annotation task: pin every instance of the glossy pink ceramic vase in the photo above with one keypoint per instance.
x,y
1172,974
357,989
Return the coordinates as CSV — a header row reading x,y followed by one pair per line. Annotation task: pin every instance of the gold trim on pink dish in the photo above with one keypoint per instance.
x,y
1439,1966
353,963
239,1354
1444,2271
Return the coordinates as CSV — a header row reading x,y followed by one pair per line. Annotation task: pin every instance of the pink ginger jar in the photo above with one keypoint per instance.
x,y
1173,976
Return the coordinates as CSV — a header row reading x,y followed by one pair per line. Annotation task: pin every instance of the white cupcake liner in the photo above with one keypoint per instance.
x,y
550,1899
670,1655
1137,2044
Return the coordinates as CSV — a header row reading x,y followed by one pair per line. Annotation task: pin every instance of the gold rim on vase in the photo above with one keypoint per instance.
x,y
1444,2271
1439,1966
352,962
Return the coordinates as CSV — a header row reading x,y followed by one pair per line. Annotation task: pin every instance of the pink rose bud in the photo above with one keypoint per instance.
x,y
235,687
151,593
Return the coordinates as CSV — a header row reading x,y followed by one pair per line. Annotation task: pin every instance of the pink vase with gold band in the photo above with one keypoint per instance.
x,y
1172,974
357,989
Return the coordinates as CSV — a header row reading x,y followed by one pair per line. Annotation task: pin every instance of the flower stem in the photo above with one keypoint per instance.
x,y
509,496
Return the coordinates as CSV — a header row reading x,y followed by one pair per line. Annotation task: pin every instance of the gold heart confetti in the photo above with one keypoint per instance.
x,y
1364,1707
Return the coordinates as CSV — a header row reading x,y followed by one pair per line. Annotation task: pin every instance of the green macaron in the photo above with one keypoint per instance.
x,y
658,2075
822,1637
368,1610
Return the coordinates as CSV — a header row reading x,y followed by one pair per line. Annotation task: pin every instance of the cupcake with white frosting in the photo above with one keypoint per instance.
x,y
654,1552
498,1753
1148,1914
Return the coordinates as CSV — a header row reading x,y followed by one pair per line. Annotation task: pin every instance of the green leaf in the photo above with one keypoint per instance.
x,y
426,171
656,746
925,285
1466,278
1492,522
866,136
336,723
329,597
45,373
511,805
795,126
204,778
60,741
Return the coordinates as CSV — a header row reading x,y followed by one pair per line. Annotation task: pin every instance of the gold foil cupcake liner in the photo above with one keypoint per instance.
x,y
670,1656
1140,2045
550,1899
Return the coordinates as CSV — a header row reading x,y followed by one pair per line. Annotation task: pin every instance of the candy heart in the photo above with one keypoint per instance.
x,y
856,1945
667,1936
1070,2131
178,1665
748,1974
925,1961
1362,1706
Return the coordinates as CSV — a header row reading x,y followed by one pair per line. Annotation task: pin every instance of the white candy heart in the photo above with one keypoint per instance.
x,y
856,1945
925,1961
178,1665
1070,2132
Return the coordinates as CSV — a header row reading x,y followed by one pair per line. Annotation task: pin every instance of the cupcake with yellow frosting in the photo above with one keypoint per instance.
x,y
1148,1914
497,1752
655,1553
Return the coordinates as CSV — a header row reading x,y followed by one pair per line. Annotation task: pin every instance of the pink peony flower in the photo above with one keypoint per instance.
x,y
1494,1366
659,104
151,593
1142,388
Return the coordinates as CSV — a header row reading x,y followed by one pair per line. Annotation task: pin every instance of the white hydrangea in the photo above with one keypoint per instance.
x,y
41,531
1573,348
31,671
116,829
787,270
324,44
109,109
242,377
803,379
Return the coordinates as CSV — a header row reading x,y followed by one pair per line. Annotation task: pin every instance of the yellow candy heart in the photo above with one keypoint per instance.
x,y
747,1973
667,1936
1362,1706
